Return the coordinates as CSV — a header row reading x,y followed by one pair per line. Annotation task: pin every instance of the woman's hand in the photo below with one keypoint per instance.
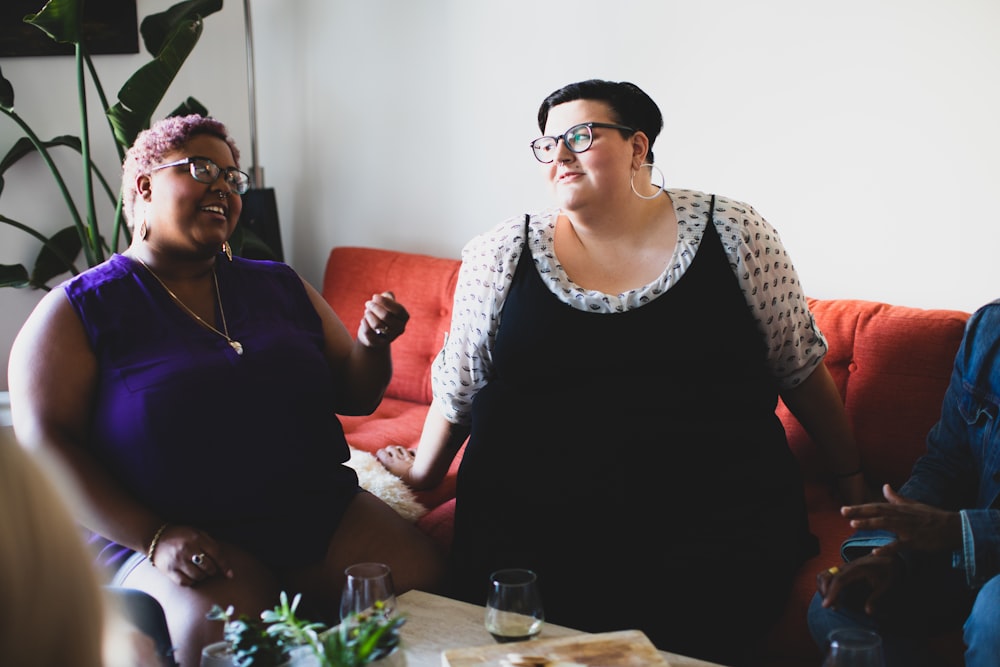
x,y
188,556
916,525
398,460
383,322
878,571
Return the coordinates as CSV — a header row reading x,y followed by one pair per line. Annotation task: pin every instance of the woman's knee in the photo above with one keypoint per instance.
x,y
372,531
252,589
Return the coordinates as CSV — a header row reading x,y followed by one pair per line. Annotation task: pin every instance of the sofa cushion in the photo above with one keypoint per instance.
x,y
423,284
892,365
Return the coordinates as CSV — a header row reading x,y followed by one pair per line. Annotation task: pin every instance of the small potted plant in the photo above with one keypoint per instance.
x,y
281,639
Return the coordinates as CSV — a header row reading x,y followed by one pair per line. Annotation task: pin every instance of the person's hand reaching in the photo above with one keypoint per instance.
x,y
872,572
398,460
916,525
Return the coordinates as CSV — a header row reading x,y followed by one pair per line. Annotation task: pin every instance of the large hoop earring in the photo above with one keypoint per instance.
x,y
663,180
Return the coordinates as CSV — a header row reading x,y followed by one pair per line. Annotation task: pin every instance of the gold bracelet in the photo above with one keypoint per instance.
x,y
154,542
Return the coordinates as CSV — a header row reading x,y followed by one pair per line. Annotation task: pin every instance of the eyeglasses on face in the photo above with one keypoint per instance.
x,y
204,170
578,139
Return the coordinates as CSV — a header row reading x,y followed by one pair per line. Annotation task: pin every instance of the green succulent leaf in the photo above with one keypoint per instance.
x,y
59,19
359,640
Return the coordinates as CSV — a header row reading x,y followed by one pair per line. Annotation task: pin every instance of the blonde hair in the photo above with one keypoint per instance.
x,y
51,606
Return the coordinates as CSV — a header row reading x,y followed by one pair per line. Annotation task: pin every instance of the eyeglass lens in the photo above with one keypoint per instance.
x,y
204,170
577,138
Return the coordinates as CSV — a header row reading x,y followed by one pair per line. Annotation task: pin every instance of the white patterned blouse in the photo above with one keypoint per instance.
x,y
762,266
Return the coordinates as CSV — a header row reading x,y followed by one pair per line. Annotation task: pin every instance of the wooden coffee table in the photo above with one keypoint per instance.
x,y
435,624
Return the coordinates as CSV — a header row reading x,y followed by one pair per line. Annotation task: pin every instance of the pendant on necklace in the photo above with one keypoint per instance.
x,y
235,344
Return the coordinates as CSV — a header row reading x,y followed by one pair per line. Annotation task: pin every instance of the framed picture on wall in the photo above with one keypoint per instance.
x,y
109,26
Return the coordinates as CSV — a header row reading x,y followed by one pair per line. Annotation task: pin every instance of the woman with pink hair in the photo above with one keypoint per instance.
x,y
191,397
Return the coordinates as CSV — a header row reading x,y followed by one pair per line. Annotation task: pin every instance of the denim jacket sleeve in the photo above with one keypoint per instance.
x,y
961,469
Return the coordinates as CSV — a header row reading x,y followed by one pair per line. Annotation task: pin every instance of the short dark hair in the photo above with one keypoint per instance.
x,y
630,105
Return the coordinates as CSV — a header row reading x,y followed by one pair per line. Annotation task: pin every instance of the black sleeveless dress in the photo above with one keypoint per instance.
x,y
635,462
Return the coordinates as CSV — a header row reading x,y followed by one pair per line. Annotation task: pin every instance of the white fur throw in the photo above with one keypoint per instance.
x,y
382,483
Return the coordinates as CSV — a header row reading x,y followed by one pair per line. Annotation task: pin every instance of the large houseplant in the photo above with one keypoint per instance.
x,y
169,36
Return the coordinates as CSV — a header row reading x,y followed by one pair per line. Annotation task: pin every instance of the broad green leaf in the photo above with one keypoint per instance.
x,y
23,146
156,28
59,19
144,90
13,275
56,257
6,94
188,107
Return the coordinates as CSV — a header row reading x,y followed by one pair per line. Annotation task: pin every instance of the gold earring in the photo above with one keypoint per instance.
x,y
143,231
228,250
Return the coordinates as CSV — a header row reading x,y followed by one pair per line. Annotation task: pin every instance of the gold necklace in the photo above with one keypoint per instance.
x,y
235,344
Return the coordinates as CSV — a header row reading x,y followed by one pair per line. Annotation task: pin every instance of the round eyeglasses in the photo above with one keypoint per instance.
x,y
578,139
204,170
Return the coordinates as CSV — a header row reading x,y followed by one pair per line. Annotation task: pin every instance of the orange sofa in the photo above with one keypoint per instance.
x,y
892,364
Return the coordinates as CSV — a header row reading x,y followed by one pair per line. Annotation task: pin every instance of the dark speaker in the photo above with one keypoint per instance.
x,y
259,221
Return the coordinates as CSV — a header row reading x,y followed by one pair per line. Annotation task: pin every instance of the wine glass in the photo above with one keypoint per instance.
x,y
854,647
368,589
514,605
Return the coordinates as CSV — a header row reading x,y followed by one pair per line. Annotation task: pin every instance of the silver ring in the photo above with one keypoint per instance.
x,y
381,331
198,559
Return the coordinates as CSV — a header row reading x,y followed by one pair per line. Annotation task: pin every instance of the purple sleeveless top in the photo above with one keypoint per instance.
x,y
247,448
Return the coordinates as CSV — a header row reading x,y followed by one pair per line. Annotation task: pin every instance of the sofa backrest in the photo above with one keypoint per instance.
x,y
892,365
423,284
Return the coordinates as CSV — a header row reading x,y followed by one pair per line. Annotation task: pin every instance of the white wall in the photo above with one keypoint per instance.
x,y
865,131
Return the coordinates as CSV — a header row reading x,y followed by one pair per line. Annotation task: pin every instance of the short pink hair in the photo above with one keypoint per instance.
x,y
163,137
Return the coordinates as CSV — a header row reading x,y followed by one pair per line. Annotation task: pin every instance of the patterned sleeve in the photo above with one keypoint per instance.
x,y
465,363
770,284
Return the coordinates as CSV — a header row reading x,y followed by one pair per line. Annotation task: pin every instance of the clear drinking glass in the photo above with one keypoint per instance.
x,y
366,585
514,605
854,647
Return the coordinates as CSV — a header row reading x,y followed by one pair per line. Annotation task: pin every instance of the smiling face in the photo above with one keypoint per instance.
x,y
600,175
187,216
